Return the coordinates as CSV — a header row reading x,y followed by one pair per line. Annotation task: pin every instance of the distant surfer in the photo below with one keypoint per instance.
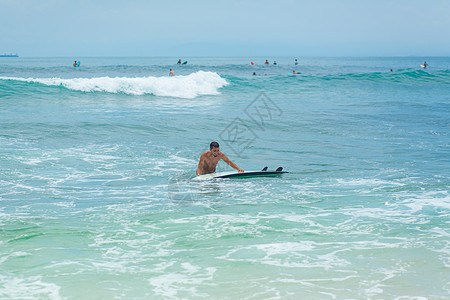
x,y
267,62
294,72
179,62
171,73
252,64
75,63
425,65
275,63
254,73
210,159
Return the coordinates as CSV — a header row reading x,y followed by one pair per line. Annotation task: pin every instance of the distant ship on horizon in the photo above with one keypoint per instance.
x,y
9,55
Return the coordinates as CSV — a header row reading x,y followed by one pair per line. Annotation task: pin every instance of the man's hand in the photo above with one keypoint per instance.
x,y
240,170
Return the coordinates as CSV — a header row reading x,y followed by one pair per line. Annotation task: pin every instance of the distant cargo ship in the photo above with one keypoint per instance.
x,y
9,55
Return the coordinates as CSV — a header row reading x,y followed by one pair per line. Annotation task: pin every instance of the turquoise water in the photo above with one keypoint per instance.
x,y
97,199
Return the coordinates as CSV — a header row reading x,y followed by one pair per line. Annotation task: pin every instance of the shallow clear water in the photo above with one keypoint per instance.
x,y
97,199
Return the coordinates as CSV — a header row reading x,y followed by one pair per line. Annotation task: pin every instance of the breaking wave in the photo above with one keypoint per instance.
x,y
189,86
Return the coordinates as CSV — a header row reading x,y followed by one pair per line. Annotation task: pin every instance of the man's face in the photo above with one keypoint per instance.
x,y
215,151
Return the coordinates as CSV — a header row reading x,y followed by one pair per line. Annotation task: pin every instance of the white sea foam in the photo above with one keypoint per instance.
x,y
189,86
286,255
185,280
28,288
418,201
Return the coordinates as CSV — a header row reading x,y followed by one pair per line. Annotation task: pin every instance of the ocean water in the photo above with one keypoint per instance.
x,y
97,199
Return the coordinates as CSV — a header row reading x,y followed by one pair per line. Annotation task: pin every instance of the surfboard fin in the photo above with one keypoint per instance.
x,y
264,169
279,169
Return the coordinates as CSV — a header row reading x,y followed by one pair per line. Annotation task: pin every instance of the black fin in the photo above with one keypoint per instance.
x,y
279,169
264,169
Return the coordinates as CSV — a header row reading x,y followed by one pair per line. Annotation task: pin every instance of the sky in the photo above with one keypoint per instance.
x,y
77,28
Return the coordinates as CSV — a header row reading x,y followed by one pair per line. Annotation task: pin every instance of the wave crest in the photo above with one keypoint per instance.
x,y
189,86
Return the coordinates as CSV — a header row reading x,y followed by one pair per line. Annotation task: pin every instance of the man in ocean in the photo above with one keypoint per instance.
x,y
209,159
171,73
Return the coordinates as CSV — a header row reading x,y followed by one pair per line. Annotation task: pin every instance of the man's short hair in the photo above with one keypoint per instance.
x,y
214,145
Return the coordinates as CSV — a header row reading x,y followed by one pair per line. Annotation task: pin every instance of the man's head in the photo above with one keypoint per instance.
x,y
214,148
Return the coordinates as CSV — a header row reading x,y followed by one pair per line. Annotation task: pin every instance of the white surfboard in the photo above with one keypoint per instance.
x,y
247,174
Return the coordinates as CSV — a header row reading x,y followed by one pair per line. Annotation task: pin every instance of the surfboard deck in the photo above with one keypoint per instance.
x,y
246,174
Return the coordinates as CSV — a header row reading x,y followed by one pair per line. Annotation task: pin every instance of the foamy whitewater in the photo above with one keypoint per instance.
x,y
190,86
97,199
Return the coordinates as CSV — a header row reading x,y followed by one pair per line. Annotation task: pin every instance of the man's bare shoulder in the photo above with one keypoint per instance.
x,y
223,156
204,154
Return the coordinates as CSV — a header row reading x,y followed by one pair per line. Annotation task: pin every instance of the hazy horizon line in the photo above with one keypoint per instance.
x,y
230,56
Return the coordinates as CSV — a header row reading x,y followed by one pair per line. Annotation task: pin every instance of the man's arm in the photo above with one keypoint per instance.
x,y
200,164
231,164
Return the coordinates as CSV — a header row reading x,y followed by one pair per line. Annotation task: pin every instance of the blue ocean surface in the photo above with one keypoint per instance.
x,y
97,199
